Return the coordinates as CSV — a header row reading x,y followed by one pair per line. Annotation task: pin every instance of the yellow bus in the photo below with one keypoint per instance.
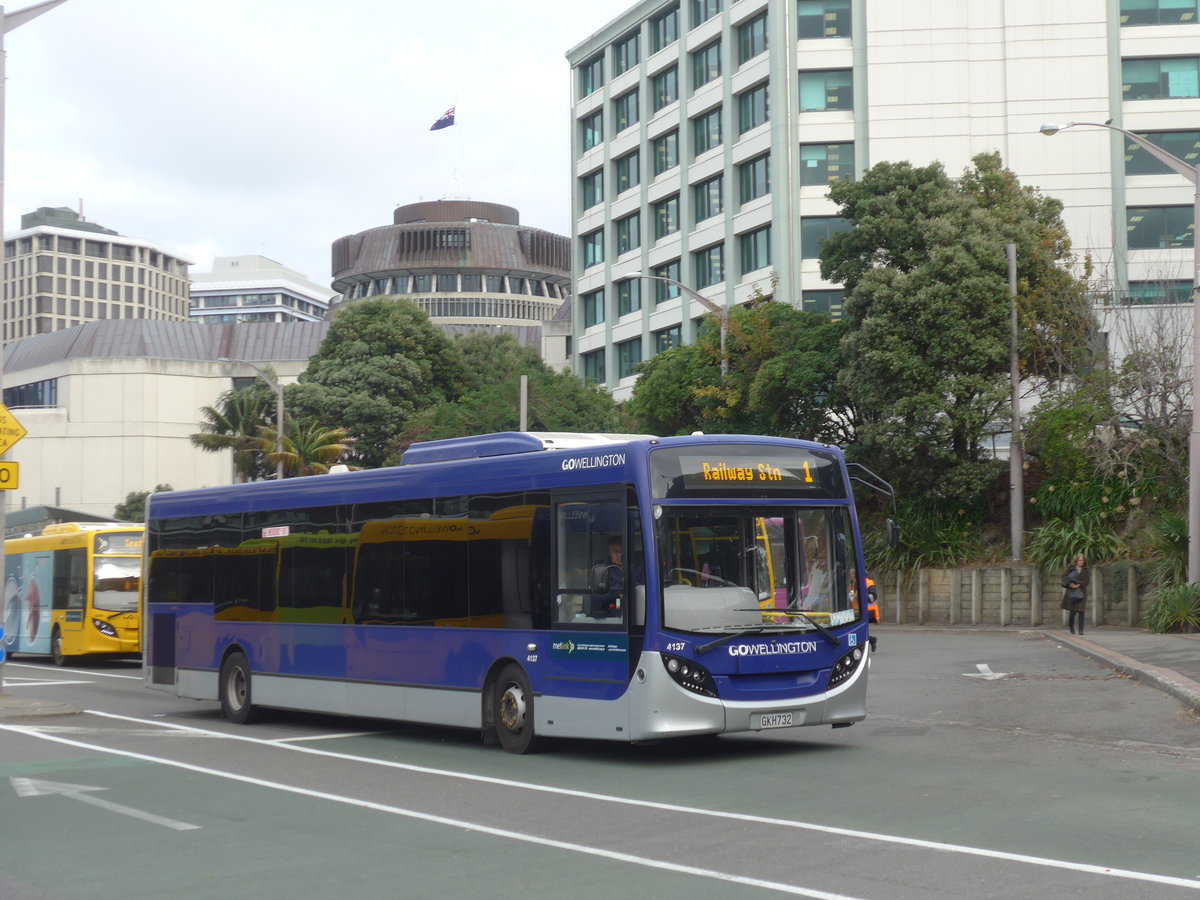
x,y
73,591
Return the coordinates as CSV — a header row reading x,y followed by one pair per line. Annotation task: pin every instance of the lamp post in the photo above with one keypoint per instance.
x,y
1192,174
719,311
278,388
9,22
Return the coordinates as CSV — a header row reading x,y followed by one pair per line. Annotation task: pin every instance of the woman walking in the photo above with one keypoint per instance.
x,y
1075,582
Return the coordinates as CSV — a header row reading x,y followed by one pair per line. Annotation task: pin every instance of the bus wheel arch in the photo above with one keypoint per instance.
x,y
234,688
509,709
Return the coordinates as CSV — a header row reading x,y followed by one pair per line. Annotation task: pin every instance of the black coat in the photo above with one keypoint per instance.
x,y
1075,576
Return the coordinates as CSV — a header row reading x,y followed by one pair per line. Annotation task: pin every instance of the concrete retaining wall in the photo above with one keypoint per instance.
x,y
1005,595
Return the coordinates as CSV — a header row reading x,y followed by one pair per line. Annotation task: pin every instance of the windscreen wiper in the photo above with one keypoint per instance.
x,y
825,632
726,638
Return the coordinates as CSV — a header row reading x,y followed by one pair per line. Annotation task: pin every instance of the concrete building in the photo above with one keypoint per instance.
x,y
706,132
110,406
253,288
61,270
470,265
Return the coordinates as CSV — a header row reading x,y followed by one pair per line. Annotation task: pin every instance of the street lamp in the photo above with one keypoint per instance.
x,y
719,311
1192,174
278,388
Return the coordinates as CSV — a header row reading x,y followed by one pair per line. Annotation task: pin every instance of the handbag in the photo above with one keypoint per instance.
x,y
1075,593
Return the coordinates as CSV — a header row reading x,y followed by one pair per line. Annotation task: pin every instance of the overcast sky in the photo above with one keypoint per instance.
x,y
225,127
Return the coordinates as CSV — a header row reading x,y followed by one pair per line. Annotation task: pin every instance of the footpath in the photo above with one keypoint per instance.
x,y
1168,662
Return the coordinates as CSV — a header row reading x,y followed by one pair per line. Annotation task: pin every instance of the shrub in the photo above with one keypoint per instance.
x,y
1173,608
1056,543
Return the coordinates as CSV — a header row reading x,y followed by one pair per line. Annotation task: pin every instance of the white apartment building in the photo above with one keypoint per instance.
x,y
706,132
252,288
61,270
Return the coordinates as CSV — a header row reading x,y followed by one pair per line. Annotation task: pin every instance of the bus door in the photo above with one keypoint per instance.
x,y
70,594
599,591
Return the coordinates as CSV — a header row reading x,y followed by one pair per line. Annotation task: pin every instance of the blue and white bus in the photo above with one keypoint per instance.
x,y
620,587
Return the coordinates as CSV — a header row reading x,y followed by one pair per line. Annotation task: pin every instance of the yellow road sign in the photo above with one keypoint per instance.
x,y
11,430
9,476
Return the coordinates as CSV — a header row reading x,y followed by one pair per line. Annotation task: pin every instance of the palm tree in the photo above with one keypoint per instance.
x,y
233,424
308,447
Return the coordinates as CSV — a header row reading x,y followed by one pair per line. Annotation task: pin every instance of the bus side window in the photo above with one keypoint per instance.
x,y
70,579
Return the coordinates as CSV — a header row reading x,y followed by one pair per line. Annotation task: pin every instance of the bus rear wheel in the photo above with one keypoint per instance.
x,y
513,711
56,650
235,690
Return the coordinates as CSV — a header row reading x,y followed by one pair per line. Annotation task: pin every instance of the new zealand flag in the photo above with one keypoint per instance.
x,y
445,121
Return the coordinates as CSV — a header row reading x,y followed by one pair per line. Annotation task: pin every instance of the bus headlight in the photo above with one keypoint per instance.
x,y
689,676
104,628
845,666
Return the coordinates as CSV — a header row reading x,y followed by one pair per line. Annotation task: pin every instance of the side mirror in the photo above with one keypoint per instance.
x,y
893,533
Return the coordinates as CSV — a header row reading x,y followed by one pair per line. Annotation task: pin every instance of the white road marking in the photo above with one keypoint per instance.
x,y
1086,868
440,820
74,671
321,737
33,787
985,672
9,683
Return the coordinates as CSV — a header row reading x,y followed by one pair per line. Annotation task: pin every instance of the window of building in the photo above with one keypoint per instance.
x,y
666,152
629,296
1160,227
626,171
35,394
1159,12
665,87
447,283
755,178
1160,292
1184,145
752,108
826,163
755,248
516,285
625,110
593,308
824,18
471,284
710,265
708,198
592,188
828,302
666,216
706,131
668,338
629,356
495,284
592,130
592,245
752,38
664,29
1160,79
703,10
629,233
591,75
593,367
706,64
422,284
815,230
828,89
626,53
663,290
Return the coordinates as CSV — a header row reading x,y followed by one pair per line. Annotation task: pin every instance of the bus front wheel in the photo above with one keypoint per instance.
x,y
56,650
513,713
235,690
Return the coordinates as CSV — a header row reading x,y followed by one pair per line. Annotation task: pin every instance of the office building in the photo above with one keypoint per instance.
x,y
61,270
253,288
470,265
705,134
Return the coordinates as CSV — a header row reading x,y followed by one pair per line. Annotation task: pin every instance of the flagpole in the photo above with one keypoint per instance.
x,y
454,190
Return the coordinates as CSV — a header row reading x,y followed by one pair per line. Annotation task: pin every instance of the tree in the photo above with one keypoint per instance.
x,y
133,509
926,278
379,364
233,424
491,401
782,378
308,448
